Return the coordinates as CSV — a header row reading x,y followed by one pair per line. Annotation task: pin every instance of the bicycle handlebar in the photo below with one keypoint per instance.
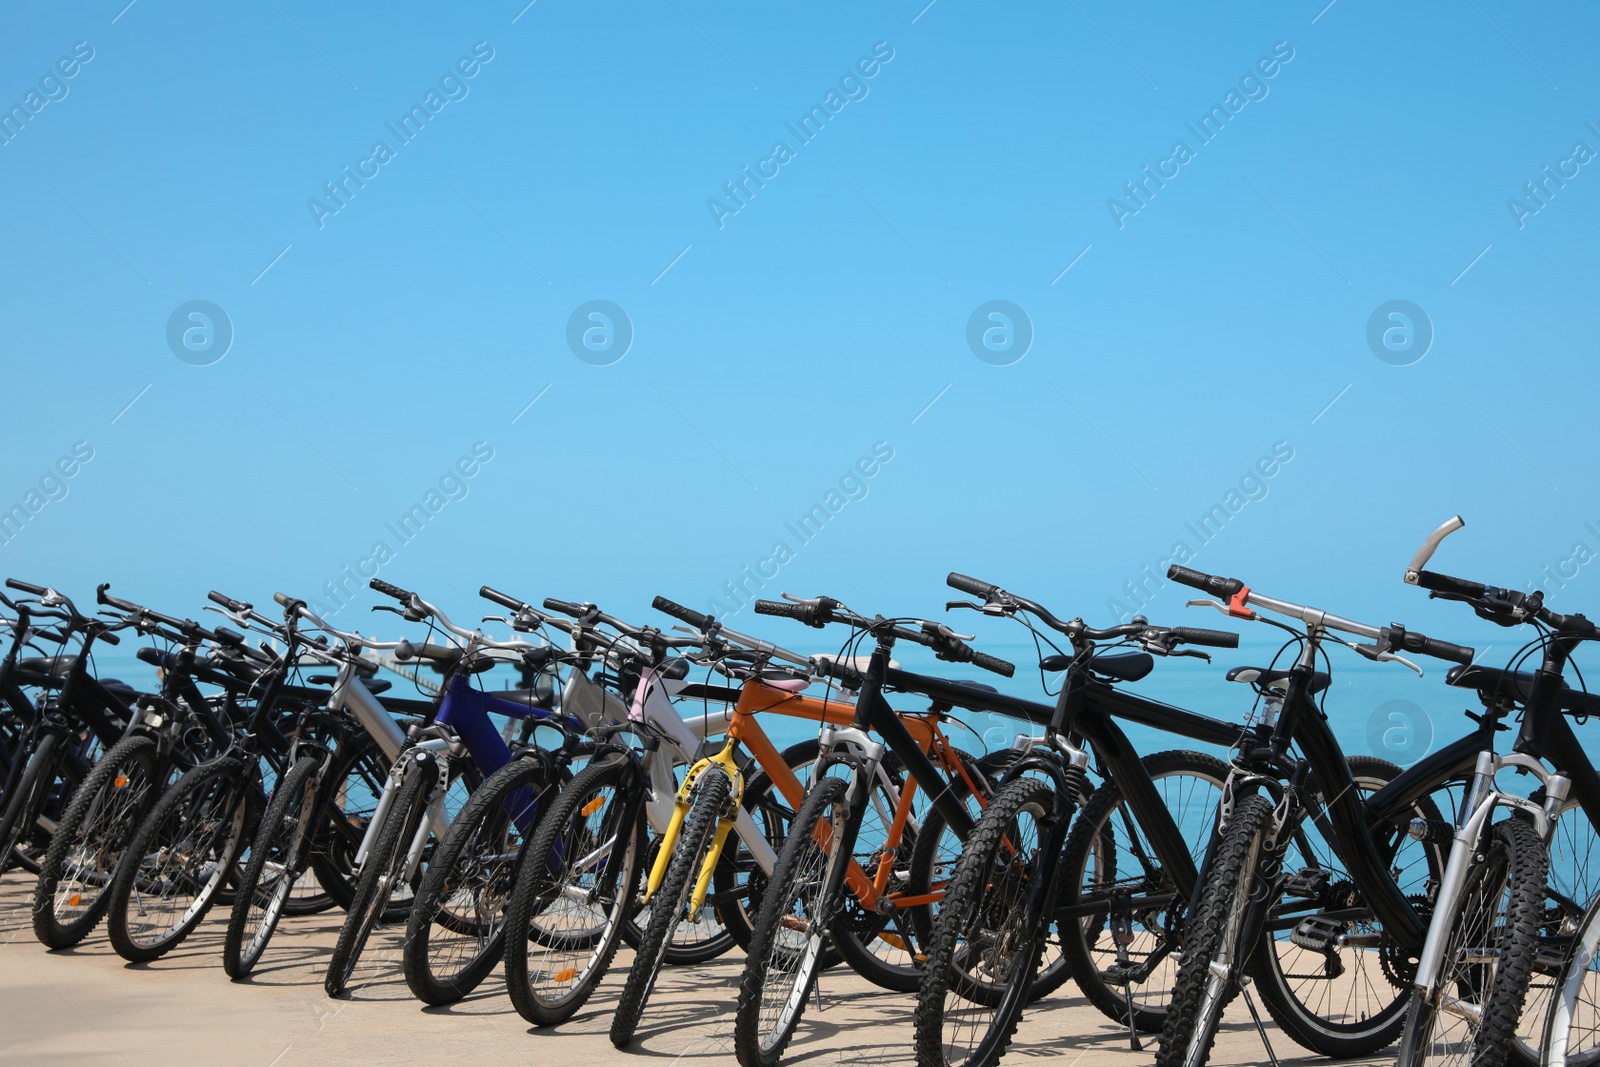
x,y
972,586
26,587
698,619
1191,635
1206,583
1392,637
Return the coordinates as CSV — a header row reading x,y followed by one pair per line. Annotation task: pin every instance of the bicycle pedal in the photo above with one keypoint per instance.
x,y
1118,974
1317,933
1308,882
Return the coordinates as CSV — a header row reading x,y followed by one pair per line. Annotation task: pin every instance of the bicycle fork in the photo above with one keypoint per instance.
x,y
1482,798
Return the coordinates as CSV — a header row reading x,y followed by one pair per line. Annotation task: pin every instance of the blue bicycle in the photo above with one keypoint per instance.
x,y
444,761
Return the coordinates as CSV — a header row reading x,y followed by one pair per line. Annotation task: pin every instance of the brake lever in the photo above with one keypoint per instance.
x,y
1377,655
1192,652
388,607
1219,606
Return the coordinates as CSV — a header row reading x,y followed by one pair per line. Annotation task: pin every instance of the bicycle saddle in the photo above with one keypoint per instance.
x,y
54,666
1118,666
1278,680
542,696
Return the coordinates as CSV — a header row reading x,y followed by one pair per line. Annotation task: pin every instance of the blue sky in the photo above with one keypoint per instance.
x,y
770,354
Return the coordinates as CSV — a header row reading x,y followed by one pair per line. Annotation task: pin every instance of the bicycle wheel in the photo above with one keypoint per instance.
x,y
796,911
350,793
277,858
1574,882
1212,947
27,800
88,845
573,891
983,955
1487,956
456,931
1347,993
669,905
1571,1029
178,860
1131,957
382,870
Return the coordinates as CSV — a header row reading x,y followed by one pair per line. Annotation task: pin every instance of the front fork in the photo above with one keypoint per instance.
x,y
1481,800
680,810
434,821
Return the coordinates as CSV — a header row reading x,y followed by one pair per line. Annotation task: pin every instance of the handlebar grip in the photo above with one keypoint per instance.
x,y
109,638
781,608
1432,646
282,599
566,607
510,603
1206,583
26,587
1443,583
956,580
1215,638
699,620
994,663
227,602
390,590
427,650
103,597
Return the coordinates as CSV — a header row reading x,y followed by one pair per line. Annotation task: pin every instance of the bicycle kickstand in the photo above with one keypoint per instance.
x,y
1250,1002
1122,934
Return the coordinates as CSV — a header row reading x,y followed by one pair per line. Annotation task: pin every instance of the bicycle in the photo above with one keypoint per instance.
x,y
1499,920
321,807
456,931
190,846
576,891
808,899
460,745
1363,919
57,739
169,733
1113,881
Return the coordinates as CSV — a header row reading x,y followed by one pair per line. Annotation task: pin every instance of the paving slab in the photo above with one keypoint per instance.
x,y
86,1006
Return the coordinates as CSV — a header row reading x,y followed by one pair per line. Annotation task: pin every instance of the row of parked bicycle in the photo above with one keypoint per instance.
x,y
628,790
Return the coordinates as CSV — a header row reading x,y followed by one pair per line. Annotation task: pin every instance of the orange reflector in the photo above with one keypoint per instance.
x,y
75,899
794,922
593,806
122,781
566,976
893,939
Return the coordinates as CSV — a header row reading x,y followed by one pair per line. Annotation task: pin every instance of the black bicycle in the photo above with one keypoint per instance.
x,y
1112,883
1338,940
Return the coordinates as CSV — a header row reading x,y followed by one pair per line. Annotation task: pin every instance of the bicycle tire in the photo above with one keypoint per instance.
x,y
27,799
989,889
1199,995
712,791
380,870
459,866
572,962
196,833
808,874
1337,1025
1512,847
105,811
1091,854
277,856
